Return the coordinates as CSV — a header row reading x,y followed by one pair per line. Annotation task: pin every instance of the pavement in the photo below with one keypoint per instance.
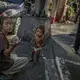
x,y
45,70
64,36
63,28
65,48
64,39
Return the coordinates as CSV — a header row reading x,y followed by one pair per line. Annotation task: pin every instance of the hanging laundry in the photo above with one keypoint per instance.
x,y
15,11
6,5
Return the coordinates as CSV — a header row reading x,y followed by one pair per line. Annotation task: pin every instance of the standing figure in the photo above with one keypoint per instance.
x,y
77,40
38,42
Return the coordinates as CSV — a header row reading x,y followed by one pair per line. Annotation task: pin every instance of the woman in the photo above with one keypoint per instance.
x,y
9,63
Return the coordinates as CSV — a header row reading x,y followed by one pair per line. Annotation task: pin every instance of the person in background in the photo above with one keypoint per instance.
x,y
77,40
9,63
38,42
75,6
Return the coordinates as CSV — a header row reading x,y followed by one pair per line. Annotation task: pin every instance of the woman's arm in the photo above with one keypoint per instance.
x,y
9,50
12,46
3,46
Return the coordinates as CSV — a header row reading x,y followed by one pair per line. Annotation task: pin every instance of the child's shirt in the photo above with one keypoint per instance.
x,y
37,46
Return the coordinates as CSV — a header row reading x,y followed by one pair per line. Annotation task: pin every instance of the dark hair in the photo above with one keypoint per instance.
x,y
2,18
41,27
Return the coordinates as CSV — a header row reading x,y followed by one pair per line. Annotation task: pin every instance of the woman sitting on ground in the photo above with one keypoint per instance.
x,y
8,65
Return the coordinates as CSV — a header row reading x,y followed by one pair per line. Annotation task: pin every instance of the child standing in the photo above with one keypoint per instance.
x,y
38,42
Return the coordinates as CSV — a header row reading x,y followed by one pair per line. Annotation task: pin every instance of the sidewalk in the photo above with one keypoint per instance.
x,y
71,59
67,48
63,28
63,35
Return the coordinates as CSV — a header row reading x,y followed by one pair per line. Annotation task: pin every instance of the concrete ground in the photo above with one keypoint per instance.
x,y
45,70
64,35
63,41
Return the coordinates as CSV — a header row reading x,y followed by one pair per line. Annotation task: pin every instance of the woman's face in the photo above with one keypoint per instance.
x,y
7,25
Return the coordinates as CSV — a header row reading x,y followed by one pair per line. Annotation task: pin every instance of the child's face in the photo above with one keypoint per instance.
x,y
38,35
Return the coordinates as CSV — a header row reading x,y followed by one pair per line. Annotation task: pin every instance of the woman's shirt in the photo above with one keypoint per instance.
x,y
5,61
